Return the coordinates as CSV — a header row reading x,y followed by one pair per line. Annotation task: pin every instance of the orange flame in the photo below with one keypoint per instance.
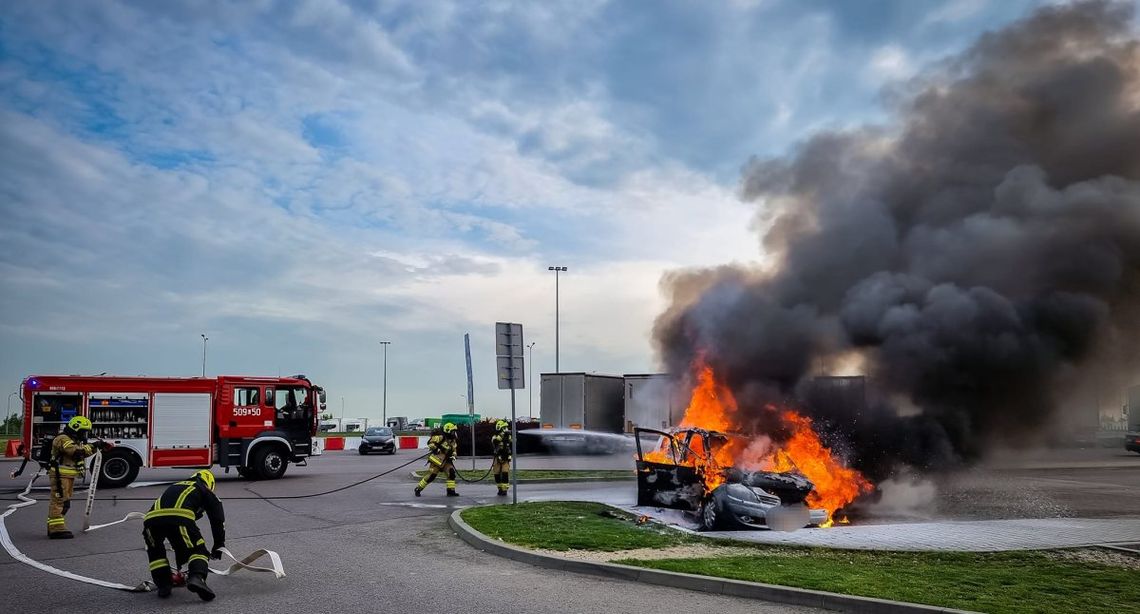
x,y
713,407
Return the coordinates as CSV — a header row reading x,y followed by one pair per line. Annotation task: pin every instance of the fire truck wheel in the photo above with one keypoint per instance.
x,y
118,469
270,462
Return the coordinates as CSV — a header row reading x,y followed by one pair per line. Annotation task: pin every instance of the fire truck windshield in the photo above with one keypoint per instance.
x,y
293,402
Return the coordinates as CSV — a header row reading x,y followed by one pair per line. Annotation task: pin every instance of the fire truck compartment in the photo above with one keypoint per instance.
x,y
181,429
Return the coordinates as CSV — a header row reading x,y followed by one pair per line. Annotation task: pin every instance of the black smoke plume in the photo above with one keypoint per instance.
x,y
980,254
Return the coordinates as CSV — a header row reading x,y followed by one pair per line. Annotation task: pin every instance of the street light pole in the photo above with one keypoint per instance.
x,y
530,384
204,340
557,270
384,410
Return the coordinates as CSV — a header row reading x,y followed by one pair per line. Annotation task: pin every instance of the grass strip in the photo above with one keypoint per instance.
x,y
548,474
1016,582
558,525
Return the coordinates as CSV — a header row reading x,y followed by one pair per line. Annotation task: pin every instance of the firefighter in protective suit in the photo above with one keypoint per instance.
x,y
173,518
501,449
69,450
443,446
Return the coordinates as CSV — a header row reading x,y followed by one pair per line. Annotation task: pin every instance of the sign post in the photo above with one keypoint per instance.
x,y
509,363
470,395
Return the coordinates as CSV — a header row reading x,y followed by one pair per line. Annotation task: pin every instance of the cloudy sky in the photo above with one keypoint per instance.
x,y
300,180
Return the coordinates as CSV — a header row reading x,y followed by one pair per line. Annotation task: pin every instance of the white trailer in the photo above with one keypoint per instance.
x,y
581,401
652,401
354,425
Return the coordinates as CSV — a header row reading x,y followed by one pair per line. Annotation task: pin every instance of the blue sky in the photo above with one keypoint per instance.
x,y
300,180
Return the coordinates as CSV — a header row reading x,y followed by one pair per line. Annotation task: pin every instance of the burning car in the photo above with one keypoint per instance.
x,y
681,473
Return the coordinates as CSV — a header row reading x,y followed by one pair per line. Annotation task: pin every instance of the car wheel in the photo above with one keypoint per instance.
x,y
363,452
270,463
118,470
711,514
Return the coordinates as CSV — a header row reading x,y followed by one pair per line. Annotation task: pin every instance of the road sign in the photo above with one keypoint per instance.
x,y
510,373
509,363
508,339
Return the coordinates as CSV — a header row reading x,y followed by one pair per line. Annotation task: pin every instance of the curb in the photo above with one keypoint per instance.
x,y
706,584
560,480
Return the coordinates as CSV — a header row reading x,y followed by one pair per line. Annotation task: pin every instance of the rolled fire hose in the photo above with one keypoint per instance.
x,y
276,567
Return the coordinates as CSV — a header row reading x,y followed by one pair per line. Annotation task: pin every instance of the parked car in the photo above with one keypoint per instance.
x,y
378,439
1132,442
744,500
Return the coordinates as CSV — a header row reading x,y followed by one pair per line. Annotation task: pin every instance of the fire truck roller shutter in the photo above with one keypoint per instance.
x,y
181,430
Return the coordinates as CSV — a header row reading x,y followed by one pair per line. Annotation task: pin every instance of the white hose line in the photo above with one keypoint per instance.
x,y
15,553
96,465
276,568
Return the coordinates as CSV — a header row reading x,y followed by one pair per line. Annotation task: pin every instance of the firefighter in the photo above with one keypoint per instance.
x,y
501,449
172,518
69,450
443,446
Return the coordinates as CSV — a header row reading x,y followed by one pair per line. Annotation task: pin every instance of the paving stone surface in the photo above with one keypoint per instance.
x,y
960,535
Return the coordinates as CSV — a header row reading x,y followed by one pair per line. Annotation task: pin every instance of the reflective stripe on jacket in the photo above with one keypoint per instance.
x,y
442,448
501,446
189,500
69,455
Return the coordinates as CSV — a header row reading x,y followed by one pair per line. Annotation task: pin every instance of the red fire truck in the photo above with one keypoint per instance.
x,y
258,425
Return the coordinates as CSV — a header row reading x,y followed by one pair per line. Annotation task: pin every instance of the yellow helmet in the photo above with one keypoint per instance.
x,y
448,428
501,425
206,477
79,423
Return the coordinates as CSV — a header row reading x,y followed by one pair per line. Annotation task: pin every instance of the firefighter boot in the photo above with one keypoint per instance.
x,y
451,492
64,534
164,591
197,585
501,493
418,491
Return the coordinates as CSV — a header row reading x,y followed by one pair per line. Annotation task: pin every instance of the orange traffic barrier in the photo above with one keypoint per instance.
x,y
334,443
13,448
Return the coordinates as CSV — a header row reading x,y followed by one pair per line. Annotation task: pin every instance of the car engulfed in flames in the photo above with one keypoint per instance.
x,y
681,472
755,466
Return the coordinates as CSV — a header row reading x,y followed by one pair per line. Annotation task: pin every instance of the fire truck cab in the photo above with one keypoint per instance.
x,y
257,425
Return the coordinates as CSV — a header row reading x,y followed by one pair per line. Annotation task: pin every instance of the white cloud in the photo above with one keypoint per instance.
x,y
889,63
954,11
157,180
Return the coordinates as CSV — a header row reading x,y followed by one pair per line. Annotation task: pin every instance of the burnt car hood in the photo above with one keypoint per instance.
x,y
789,487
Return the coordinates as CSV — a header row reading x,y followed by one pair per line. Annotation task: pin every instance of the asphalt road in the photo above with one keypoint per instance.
x,y
372,548
377,548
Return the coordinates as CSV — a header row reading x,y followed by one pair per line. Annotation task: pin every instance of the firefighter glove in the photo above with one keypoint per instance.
x,y
104,445
216,553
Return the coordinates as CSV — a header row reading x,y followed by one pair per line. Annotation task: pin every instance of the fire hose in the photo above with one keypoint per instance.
x,y
276,567
460,475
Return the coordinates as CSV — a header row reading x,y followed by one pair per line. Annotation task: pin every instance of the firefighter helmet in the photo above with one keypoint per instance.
x,y
205,476
448,428
79,423
501,425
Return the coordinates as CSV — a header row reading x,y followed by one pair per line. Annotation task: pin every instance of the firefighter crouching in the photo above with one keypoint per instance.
x,y
172,518
443,447
69,450
501,449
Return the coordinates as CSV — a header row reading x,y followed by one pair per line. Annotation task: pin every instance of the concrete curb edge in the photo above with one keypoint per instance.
x,y
719,586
